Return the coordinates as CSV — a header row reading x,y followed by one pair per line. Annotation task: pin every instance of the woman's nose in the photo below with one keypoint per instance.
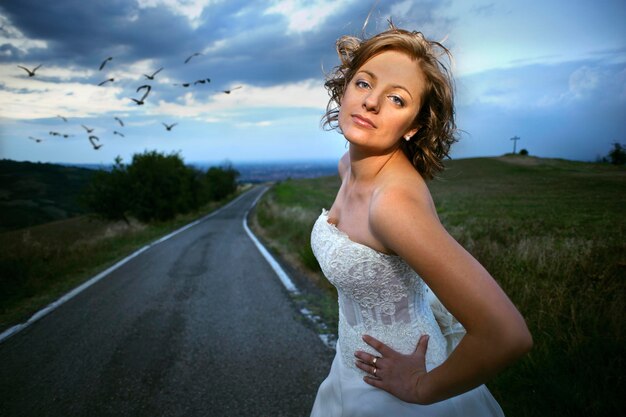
x,y
371,101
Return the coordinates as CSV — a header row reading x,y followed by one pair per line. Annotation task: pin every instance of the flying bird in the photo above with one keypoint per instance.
x,y
115,132
232,89
87,129
106,81
120,121
202,81
35,139
93,138
169,127
30,73
191,56
65,135
104,62
151,77
64,118
140,102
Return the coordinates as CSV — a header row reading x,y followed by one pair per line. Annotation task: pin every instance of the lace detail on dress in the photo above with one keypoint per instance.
x,y
379,294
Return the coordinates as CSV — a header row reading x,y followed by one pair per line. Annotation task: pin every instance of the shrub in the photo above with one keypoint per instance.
x,y
161,186
220,182
523,152
617,155
108,193
156,186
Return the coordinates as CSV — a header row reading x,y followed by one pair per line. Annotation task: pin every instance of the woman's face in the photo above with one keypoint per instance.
x,y
381,101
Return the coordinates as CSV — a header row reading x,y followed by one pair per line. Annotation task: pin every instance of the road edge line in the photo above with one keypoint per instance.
x,y
282,275
13,330
327,339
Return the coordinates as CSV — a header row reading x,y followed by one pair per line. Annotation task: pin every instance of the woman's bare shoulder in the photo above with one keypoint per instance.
x,y
407,189
404,198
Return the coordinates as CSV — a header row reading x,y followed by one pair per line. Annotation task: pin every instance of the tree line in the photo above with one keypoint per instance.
x,y
617,155
156,187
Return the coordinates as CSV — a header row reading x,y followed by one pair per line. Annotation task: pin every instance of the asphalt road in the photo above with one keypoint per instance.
x,y
198,325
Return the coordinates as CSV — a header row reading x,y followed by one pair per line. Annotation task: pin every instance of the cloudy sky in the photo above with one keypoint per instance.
x,y
552,72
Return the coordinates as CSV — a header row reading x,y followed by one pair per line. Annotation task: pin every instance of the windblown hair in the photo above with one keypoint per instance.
x,y
435,119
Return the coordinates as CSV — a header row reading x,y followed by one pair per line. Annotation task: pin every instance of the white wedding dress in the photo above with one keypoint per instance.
x,y
382,296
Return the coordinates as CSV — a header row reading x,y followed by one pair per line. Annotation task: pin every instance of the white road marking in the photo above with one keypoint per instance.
x,y
73,293
328,339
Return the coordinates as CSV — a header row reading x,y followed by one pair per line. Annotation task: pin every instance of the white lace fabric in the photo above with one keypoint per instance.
x,y
379,295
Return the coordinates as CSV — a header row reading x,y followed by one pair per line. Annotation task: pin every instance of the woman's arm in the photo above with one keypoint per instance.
x,y
404,220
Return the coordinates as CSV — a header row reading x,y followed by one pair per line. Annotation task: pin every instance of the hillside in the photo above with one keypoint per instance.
x,y
36,193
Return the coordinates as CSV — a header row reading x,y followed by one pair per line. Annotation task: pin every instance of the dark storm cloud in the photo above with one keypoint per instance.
x,y
84,32
8,50
260,50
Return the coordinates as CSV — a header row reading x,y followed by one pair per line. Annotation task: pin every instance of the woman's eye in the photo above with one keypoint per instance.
x,y
362,84
397,100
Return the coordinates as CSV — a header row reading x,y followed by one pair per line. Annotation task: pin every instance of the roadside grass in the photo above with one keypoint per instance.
x,y
552,233
42,263
287,213
283,218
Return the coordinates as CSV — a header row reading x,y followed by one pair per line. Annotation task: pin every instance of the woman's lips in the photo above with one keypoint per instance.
x,y
363,121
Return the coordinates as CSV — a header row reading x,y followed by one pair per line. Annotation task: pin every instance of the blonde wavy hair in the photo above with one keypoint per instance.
x,y
437,129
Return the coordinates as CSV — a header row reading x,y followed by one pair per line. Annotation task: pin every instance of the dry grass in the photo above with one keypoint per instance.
x,y
46,261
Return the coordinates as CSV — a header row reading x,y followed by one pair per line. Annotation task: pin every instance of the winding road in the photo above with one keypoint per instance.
x,y
197,325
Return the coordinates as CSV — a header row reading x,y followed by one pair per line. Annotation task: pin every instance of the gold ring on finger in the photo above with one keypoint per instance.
x,y
374,361
374,371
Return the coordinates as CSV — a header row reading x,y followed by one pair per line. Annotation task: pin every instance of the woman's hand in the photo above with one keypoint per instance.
x,y
398,374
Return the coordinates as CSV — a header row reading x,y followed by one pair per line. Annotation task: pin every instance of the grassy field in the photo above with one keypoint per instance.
x,y
552,233
46,261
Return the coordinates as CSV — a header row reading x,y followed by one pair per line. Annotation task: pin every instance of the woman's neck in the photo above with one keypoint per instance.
x,y
365,167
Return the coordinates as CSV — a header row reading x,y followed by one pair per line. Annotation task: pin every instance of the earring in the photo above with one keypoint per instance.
x,y
407,137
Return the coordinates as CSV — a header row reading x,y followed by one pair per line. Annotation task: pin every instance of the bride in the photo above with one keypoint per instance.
x,y
382,245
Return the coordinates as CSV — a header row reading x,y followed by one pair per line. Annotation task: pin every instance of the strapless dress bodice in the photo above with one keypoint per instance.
x,y
379,295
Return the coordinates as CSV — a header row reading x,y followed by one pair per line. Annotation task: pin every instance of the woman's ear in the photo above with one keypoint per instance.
x,y
408,135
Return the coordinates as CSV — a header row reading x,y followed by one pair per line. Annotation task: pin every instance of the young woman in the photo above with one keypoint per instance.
x,y
382,245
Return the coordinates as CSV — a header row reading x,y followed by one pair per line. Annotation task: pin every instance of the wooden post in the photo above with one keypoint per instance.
x,y
515,139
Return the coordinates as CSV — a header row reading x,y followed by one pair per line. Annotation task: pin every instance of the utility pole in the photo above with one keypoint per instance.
x,y
515,139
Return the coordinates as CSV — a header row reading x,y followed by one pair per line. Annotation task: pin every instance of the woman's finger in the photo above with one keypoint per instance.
x,y
367,367
422,345
376,382
382,348
367,357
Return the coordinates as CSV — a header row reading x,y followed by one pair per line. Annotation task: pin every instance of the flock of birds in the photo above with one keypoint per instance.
x,y
145,89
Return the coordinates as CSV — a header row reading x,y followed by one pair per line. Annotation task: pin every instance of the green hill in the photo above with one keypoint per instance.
x,y
36,193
